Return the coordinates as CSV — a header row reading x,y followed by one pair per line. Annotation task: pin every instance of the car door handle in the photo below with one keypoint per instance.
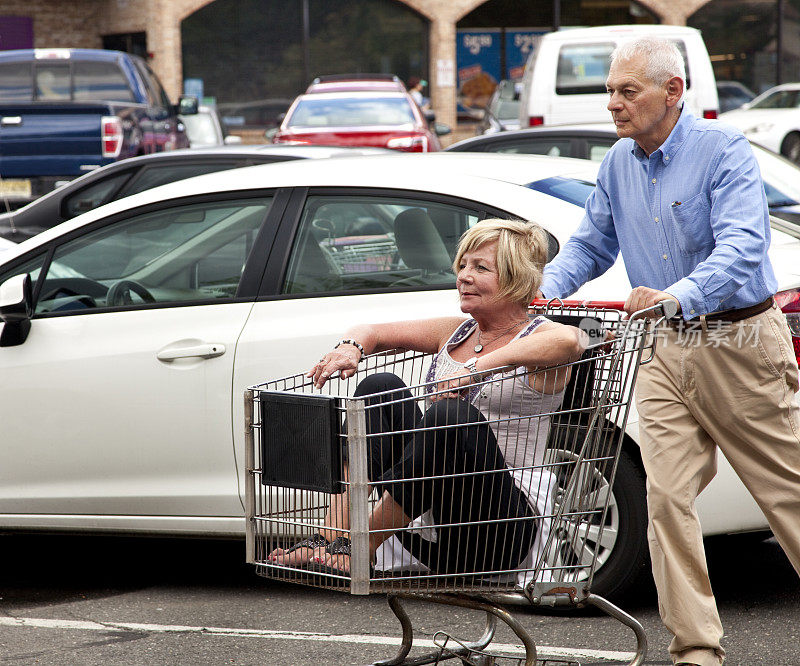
x,y
11,120
197,351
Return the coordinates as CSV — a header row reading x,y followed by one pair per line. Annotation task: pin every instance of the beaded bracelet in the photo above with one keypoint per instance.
x,y
355,344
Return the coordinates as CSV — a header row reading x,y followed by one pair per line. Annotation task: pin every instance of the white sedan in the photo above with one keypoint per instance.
x,y
125,365
772,119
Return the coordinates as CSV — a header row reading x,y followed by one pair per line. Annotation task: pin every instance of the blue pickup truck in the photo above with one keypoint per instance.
x,y
64,112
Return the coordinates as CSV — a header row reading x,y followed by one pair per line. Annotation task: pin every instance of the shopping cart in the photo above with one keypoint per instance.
x,y
315,457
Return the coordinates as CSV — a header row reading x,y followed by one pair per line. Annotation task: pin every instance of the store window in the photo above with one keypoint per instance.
x,y
742,40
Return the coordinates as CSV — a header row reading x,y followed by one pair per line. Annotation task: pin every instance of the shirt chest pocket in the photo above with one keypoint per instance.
x,y
692,224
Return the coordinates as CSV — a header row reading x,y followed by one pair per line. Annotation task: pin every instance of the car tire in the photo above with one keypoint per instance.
x,y
623,554
790,148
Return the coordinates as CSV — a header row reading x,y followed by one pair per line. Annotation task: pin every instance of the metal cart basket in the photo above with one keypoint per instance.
x,y
486,531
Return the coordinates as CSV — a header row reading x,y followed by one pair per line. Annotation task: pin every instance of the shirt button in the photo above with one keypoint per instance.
x,y
664,257
654,181
691,311
656,219
666,157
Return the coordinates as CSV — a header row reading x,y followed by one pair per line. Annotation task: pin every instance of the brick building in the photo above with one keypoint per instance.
x,y
158,27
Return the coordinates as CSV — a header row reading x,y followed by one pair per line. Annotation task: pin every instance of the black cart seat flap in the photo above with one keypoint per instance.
x,y
300,441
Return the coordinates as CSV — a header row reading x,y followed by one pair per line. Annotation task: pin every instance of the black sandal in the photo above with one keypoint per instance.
x,y
339,546
313,542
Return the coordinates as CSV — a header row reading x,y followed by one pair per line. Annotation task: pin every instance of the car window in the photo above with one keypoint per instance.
x,y
352,243
163,98
153,176
780,99
32,266
583,68
351,111
52,82
180,254
15,82
100,81
598,148
573,190
93,196
539,146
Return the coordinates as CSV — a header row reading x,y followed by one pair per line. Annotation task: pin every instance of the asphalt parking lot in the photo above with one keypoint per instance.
x,y
103,600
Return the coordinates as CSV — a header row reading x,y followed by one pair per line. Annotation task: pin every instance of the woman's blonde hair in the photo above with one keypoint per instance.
x,y
521,255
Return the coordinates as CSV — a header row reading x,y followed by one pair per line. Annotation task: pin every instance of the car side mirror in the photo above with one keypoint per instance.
x,y
440,129
16,308
187,105
430,116
270,133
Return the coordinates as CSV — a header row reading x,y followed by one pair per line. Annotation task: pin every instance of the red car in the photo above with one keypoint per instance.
x,y
351,111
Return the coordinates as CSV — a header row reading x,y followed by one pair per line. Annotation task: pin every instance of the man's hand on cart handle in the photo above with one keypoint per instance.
x,y
642,298
344,359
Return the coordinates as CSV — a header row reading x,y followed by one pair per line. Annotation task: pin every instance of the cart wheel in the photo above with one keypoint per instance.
x,y
622,551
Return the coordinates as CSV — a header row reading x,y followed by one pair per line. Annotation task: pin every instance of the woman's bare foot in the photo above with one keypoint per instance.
x,y
307,550
339,562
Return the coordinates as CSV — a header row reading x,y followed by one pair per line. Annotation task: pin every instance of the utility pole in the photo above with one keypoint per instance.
x,y
779,45
306,39
557,14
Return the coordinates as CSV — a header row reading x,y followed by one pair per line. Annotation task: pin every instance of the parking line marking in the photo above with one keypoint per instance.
x,y
361,639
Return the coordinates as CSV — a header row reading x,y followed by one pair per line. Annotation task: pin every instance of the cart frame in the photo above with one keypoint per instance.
x,y
624,345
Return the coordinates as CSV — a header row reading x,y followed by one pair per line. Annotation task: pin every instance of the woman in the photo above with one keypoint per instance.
x,y
461,462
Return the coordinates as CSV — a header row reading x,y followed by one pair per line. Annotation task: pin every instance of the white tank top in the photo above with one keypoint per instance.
x,y
512,408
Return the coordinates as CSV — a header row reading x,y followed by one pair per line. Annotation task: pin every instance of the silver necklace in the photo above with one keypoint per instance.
x,y
479,347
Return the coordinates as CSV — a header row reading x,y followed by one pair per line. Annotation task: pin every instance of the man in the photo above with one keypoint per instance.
x,y
682,199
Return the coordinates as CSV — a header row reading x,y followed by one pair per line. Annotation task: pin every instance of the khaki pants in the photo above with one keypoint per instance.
x,y
696,396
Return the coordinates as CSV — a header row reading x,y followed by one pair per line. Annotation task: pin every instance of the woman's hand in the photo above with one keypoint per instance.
x,y
451,386
343,359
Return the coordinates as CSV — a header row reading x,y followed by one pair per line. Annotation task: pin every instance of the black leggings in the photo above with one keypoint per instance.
x,y
466,445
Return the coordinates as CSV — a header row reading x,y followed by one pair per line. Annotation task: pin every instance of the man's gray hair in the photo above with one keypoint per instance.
x,y
662,57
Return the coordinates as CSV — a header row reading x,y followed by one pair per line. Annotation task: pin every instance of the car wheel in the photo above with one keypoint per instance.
x,y
621,549
790,148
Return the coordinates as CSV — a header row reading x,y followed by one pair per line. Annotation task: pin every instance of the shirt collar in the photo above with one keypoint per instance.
x,y
674,141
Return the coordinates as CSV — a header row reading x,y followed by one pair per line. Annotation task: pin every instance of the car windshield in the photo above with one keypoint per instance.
x,y
572,190
351,111
780,99
781,178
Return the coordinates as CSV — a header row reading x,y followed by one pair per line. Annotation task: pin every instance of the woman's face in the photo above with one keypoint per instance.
x,y
477,280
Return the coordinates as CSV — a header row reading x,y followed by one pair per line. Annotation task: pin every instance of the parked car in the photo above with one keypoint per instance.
x,y
137,174
68,111
592,141
502,112
148,317
350,111
772,119
565,77
205,130
732,95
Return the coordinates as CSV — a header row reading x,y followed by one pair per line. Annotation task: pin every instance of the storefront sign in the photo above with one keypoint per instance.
x,y
519,46
478,54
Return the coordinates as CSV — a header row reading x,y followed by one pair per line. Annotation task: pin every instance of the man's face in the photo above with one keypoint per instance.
x,y
638,106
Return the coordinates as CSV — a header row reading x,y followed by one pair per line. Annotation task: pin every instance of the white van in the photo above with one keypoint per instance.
x,y
565,76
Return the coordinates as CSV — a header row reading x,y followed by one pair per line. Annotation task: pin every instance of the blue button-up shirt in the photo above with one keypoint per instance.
x,y
691,219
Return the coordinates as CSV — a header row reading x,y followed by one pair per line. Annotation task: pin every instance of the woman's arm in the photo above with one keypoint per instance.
x,y
422,335
550,344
